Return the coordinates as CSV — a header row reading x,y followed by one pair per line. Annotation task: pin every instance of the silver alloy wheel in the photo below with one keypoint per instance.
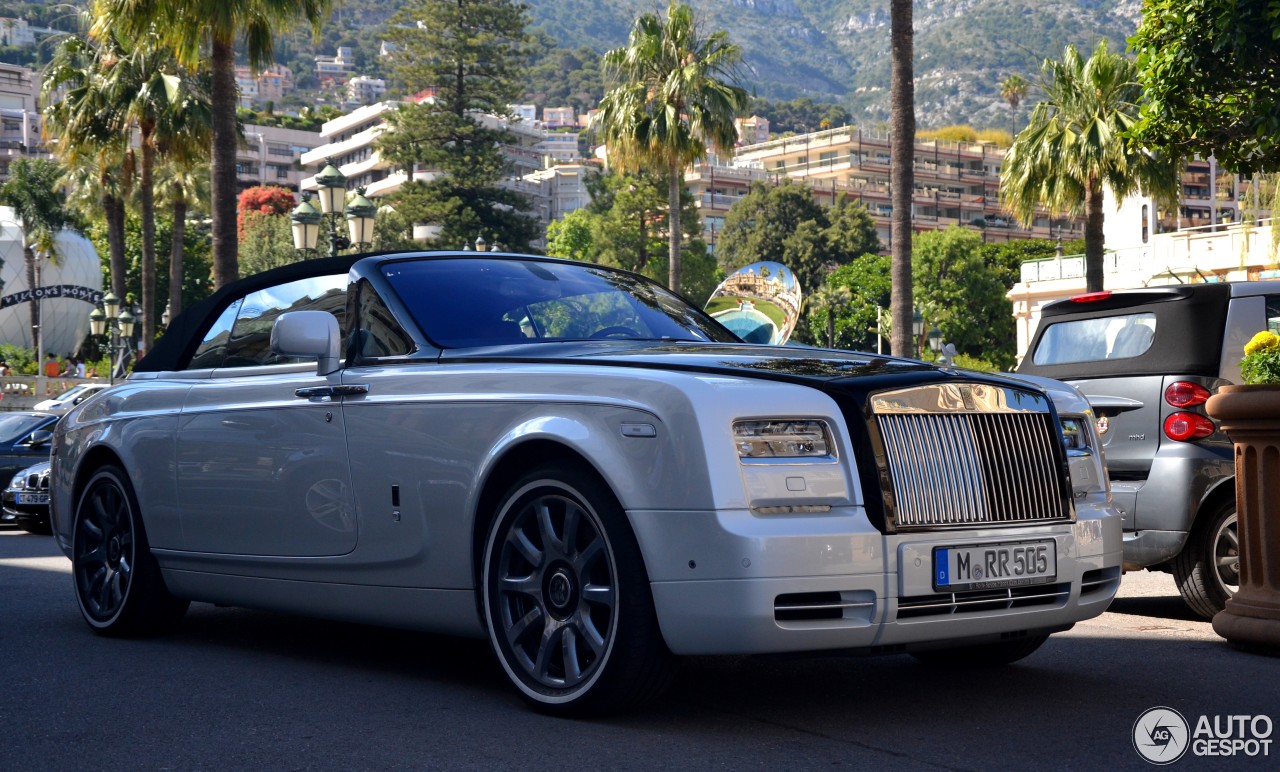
x,y
104,551
554,608
1226,554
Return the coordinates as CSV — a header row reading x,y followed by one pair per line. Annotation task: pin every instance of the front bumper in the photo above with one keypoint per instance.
x,y
738,583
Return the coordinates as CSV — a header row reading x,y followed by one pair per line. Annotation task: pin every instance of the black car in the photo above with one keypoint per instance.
x,y
24,440
25,503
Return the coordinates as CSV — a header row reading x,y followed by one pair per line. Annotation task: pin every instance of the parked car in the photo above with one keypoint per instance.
x,y
1148,360
25,503
581,467
70,398
24,440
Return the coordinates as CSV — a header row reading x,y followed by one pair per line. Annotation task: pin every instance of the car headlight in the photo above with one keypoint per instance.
x,y
782,438
1084,455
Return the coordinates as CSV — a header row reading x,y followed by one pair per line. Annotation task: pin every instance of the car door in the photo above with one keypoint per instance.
x,y
262,463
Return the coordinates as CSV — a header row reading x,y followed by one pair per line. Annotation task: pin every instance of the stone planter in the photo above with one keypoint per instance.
x,y
1250,415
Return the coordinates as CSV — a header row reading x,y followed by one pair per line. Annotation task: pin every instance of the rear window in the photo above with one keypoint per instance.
x,y
1095,340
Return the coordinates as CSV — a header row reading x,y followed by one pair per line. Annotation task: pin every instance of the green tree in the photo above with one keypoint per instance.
x,y
1210,70
677,97
1074,146
266,241
857,320
34,193
852,232
962,296
467,51
628,224
902,106
570,236
204,32
766,224
1013,90
182,185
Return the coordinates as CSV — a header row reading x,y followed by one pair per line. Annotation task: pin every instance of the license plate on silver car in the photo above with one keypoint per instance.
x,y
991,566
33,498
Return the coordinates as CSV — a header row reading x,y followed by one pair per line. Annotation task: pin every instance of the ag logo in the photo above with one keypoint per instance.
x,y
1161,735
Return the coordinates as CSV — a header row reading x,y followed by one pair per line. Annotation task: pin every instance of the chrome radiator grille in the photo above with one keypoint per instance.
x,y
963,455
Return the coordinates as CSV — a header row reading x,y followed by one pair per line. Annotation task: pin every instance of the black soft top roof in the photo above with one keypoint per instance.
x,y
1188,336
185,333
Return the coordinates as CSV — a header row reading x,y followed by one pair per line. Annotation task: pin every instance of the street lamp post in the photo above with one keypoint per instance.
x,y
360,214
917,329
108,317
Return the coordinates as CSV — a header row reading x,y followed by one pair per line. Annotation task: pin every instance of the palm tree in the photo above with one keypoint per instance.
x,y
80,120
677,95
901,175
1074,145
180,186
1013,89
33,190
153,94
205,32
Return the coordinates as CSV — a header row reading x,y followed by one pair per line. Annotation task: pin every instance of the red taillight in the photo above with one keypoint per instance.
x,y
1091,297
1186,394
1187,426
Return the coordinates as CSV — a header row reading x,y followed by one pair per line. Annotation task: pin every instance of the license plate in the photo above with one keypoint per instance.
x,y
33,498
991,566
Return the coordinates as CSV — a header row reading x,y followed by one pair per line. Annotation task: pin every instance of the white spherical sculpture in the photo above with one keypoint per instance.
x,y
67,289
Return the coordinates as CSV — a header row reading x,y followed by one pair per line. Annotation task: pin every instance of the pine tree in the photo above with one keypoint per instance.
x,y
464,55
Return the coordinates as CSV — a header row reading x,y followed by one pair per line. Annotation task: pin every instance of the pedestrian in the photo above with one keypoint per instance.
x,y
80,372
51,368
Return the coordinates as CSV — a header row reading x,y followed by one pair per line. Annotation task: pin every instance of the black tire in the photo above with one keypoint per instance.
x,y
1208,568
566,598
118,584
983,655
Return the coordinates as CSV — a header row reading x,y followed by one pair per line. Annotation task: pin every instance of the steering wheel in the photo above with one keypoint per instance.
x,y
616,329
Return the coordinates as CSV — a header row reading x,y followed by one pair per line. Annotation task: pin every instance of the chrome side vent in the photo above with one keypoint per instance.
x,y
984,600
960,455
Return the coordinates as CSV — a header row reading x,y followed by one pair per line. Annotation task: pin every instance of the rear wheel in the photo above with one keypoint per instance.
x,y
117,580
566,597
985,654
1208,568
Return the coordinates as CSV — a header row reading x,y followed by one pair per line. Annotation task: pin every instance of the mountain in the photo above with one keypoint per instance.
x,y
828,50
838,50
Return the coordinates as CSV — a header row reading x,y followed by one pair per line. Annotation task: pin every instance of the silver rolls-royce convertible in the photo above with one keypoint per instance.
x,y
579,466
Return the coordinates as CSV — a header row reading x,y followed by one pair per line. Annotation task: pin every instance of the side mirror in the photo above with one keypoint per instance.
x,y
41,437
308,334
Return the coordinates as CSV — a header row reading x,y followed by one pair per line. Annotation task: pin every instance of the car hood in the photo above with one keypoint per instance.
x,y
813,366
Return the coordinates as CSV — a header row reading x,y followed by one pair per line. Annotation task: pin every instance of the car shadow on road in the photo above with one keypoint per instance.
x,y
1170,607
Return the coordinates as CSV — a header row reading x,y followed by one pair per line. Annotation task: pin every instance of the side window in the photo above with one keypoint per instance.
x,y
1273,313
1093,340
213,349
377,332
242,335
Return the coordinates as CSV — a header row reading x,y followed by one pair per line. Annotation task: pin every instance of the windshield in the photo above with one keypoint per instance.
x,y
14,426
461,302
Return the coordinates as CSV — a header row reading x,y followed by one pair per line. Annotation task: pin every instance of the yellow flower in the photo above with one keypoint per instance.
x,y
1263,341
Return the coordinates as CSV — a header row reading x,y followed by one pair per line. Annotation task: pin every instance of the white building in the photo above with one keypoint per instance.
x,y
338,67
19,117
271,155
66,291
364,90
559,146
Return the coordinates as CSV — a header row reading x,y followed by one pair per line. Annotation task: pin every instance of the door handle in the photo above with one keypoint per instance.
x,y
342,390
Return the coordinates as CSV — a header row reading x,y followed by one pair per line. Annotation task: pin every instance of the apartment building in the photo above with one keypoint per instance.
x,y
363,90
19,117
956,183
559,117
337,67
349,142
559,146
272,155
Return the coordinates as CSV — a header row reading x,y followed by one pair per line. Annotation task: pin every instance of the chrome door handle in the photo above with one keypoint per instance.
x,y
343,390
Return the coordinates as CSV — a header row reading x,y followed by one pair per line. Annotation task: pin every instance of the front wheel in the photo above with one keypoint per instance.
x,y
1208,568
117,580
985,654
566,597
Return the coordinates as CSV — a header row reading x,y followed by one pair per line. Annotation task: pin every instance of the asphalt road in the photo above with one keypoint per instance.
x,y
239,689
